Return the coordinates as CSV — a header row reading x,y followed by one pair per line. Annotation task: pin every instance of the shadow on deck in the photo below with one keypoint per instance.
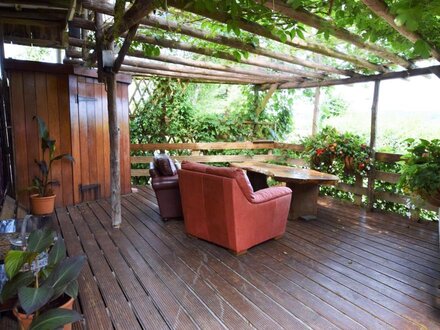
x,y
349,269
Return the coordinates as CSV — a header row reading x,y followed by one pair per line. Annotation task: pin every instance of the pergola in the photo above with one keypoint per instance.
x,y
88,29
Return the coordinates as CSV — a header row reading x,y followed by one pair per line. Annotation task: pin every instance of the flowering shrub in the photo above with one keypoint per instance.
x,y
421,170
338,153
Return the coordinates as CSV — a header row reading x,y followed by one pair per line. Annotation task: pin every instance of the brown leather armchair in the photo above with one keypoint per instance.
x,y
220,206
165,182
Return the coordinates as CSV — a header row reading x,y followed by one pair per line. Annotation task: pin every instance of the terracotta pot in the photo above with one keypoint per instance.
x,y
349,164
24,321
42,205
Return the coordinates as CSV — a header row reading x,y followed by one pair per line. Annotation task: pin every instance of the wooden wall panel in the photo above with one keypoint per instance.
x,y
46,96
19,134
53,124
65,146
94,138
75,139
75,110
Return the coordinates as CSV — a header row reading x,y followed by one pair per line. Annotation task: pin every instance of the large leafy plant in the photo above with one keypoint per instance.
x,y
420,171
37,288
42,184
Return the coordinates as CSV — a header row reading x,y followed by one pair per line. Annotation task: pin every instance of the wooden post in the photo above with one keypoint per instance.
x,y
316,112
358,183
373,133
115,164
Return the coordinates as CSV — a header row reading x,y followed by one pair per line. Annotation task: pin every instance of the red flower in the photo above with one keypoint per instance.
x,y
319,152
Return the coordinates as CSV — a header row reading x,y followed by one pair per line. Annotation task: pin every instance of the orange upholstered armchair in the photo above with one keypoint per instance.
x,y
220,206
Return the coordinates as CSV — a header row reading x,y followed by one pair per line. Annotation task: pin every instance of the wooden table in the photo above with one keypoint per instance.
x,y
303,182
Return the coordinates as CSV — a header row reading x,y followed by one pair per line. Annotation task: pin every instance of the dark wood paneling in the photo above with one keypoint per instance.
x,y
65,146
75,139
99,124
75,110
53,124
19,133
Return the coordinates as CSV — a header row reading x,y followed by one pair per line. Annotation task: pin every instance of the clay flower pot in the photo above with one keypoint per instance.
x,y
24,321
348,164
42,205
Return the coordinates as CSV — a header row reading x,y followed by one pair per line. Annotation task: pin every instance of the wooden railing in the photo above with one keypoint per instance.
x,y
364,186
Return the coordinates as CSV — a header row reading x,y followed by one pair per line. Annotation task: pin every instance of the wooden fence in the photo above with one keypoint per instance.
x,y
364,186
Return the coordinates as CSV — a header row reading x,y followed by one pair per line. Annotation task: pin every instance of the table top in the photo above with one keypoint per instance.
x,y
288,174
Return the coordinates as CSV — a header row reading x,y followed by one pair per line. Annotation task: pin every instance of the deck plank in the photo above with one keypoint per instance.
x,y
90,299
349,269
120,311
142,303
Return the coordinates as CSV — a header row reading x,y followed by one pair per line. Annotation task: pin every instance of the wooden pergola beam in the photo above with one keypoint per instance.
x,y
320,23
149,64
125,47
381,9
262,31
189,62
252,28
173,44
188,30
354,80
188,76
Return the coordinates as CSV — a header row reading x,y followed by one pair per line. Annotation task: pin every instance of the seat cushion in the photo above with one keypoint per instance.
x,y
197,167
165,165
234,173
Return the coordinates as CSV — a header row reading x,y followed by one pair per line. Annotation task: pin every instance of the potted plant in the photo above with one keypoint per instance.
x,y
44,282
43,201
332,152
420,173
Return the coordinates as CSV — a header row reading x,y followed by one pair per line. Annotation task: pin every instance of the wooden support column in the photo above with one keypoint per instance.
x,y
115,146
373,133
316,111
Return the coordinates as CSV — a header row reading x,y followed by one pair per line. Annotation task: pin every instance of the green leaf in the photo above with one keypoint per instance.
x,y
422,48
16,259
31,299
40,240
72,289
54,319
57,253
42,128
11,287
64,273
63,156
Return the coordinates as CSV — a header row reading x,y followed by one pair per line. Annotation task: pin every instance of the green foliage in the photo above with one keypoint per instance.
x,y
420,172
42,184
166,116
338,153
38,287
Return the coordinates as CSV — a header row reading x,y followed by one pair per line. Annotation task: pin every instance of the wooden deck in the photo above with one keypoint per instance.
x,y
348,269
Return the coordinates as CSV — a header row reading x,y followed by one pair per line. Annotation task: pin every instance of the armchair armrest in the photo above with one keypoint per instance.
x,y
268,194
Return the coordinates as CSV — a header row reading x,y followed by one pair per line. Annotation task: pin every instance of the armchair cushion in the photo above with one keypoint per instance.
x,y
165,165
268,194
197,167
